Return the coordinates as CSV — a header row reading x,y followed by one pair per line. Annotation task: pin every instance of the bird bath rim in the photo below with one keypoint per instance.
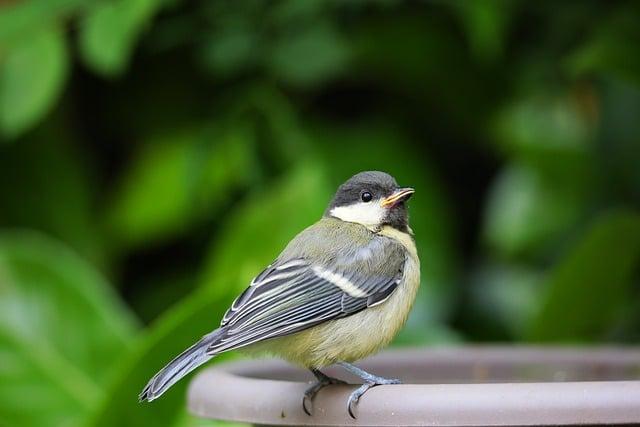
x,y
452,386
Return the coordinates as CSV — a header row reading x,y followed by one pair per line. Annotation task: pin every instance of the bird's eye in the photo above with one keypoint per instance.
x,y
366,197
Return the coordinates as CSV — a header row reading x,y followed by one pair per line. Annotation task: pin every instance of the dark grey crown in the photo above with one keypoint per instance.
x,y
379,184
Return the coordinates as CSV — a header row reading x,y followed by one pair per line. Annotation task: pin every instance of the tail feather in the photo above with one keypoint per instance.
x,y
184,363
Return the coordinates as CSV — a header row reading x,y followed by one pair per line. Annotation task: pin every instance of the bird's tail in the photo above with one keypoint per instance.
x,y
184,363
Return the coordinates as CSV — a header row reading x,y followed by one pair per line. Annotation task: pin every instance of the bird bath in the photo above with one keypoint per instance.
x,y
465,386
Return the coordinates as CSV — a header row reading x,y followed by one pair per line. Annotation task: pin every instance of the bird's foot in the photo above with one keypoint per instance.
x,y
354,398
310,393
370,381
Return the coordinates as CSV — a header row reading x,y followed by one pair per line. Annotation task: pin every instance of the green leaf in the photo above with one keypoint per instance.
x,y
61,329
57,203
544,126
110,30
230,50
32,75
259,229
612,50
551,178
290,59
277,125
177,329
486,22
504,297
198,168
527,210
587,289
618,147
19,19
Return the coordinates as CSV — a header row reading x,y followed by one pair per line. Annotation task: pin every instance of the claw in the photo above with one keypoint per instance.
x,y
310,393
354,398
306,399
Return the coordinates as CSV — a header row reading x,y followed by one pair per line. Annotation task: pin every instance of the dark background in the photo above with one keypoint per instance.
x,y
156,154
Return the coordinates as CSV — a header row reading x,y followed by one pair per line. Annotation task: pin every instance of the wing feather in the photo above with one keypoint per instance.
x,y
294,295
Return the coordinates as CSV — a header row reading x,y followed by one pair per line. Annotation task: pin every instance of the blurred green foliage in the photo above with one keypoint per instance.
x,y
156,154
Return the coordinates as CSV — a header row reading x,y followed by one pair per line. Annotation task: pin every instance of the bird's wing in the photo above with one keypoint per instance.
x,y
294,295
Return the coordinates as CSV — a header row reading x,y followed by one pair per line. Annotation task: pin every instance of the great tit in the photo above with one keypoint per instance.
x,y
340,291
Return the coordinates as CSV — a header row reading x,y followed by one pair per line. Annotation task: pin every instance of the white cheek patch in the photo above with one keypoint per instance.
x,y
368,214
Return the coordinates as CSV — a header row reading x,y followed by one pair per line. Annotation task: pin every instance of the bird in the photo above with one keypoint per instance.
x,y
338,292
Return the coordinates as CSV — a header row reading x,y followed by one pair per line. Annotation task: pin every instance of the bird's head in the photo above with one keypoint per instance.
x,y
372,199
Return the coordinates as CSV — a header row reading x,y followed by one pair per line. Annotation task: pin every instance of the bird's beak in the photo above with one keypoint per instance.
x,y
400,195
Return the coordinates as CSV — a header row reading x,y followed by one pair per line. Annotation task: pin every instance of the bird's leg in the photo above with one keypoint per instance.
x,y
370,381
310,393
